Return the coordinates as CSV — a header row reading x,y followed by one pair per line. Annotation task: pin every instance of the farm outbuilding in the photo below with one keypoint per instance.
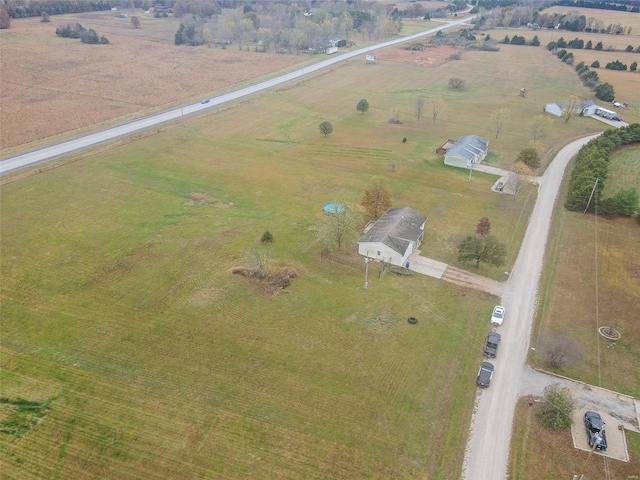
x,y
394,236
467,151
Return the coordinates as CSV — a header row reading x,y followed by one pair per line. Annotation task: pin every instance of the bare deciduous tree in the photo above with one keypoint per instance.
x,y
456,83
259,262
538,126
5,19
419,107
395,115
560,350
519,171
339,229
377,198
571,108
135,22
499,118
437,105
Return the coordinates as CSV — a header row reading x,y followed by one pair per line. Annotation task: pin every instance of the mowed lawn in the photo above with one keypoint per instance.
x,y
570,304
120,309
625,83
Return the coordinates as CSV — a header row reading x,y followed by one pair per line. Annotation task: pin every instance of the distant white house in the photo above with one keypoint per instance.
x,y
467,151
586,107
394,236
331,50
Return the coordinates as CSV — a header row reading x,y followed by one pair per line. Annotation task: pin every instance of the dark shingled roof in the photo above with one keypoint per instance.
x,y
396,228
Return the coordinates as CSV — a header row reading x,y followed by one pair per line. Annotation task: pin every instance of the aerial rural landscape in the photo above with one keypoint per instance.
x,y
319,239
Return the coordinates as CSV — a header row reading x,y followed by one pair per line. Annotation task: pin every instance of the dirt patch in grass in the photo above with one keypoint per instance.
x,y
429,57
538,452
272,282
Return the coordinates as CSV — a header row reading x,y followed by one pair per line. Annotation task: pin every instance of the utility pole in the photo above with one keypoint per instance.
x,y
181,106
591,196
366,270
470,170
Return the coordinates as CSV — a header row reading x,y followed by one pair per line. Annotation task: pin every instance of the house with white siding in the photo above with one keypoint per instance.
x,y
467,151
585,107
394,236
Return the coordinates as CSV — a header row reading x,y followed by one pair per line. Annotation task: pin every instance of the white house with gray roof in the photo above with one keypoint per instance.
x,y
467,151
585,107
394,236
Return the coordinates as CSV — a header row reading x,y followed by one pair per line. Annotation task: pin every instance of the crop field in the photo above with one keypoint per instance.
x,y
145,357
537,452
570,307
607,16
50,85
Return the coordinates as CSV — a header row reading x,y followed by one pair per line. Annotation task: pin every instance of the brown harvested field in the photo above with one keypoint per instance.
x,y
50,85
627,19
429,57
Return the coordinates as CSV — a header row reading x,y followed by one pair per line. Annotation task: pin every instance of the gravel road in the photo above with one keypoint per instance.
x,y
487,450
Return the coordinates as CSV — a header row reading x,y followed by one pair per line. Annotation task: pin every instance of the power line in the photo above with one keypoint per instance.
x,y
596,285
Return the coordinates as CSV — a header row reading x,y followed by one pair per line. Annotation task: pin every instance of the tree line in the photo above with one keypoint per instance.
x,y
579,44
592,162
36,8
620,5
288,27
520,15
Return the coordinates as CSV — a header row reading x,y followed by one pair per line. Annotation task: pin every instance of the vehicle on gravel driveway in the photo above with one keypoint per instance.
x,y
485,374
491,345
498,315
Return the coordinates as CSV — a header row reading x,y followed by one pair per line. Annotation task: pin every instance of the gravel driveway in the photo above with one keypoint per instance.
x,y
487,450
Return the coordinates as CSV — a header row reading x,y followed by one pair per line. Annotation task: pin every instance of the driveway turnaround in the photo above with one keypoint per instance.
x,y
86,141
616,440
487,450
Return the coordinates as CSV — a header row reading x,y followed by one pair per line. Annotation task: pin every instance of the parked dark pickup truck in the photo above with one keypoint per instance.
x,y
491,345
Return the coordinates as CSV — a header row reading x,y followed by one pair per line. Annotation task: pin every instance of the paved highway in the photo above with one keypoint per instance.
x,y
44,154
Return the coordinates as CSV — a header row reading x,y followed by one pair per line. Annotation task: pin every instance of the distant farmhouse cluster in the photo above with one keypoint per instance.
x,y
584,108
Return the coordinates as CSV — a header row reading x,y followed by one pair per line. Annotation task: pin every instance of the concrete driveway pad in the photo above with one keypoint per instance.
x,y
616,440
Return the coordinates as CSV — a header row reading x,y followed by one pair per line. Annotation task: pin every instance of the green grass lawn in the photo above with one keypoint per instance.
x,y
119,307
568,304
624,171
121,314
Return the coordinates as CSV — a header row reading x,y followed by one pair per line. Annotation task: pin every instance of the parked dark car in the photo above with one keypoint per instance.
x,y
595,431
491,345
485,374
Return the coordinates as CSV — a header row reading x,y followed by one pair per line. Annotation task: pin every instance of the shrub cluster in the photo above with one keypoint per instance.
x,y
592,162
78,31
519,40
617,65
